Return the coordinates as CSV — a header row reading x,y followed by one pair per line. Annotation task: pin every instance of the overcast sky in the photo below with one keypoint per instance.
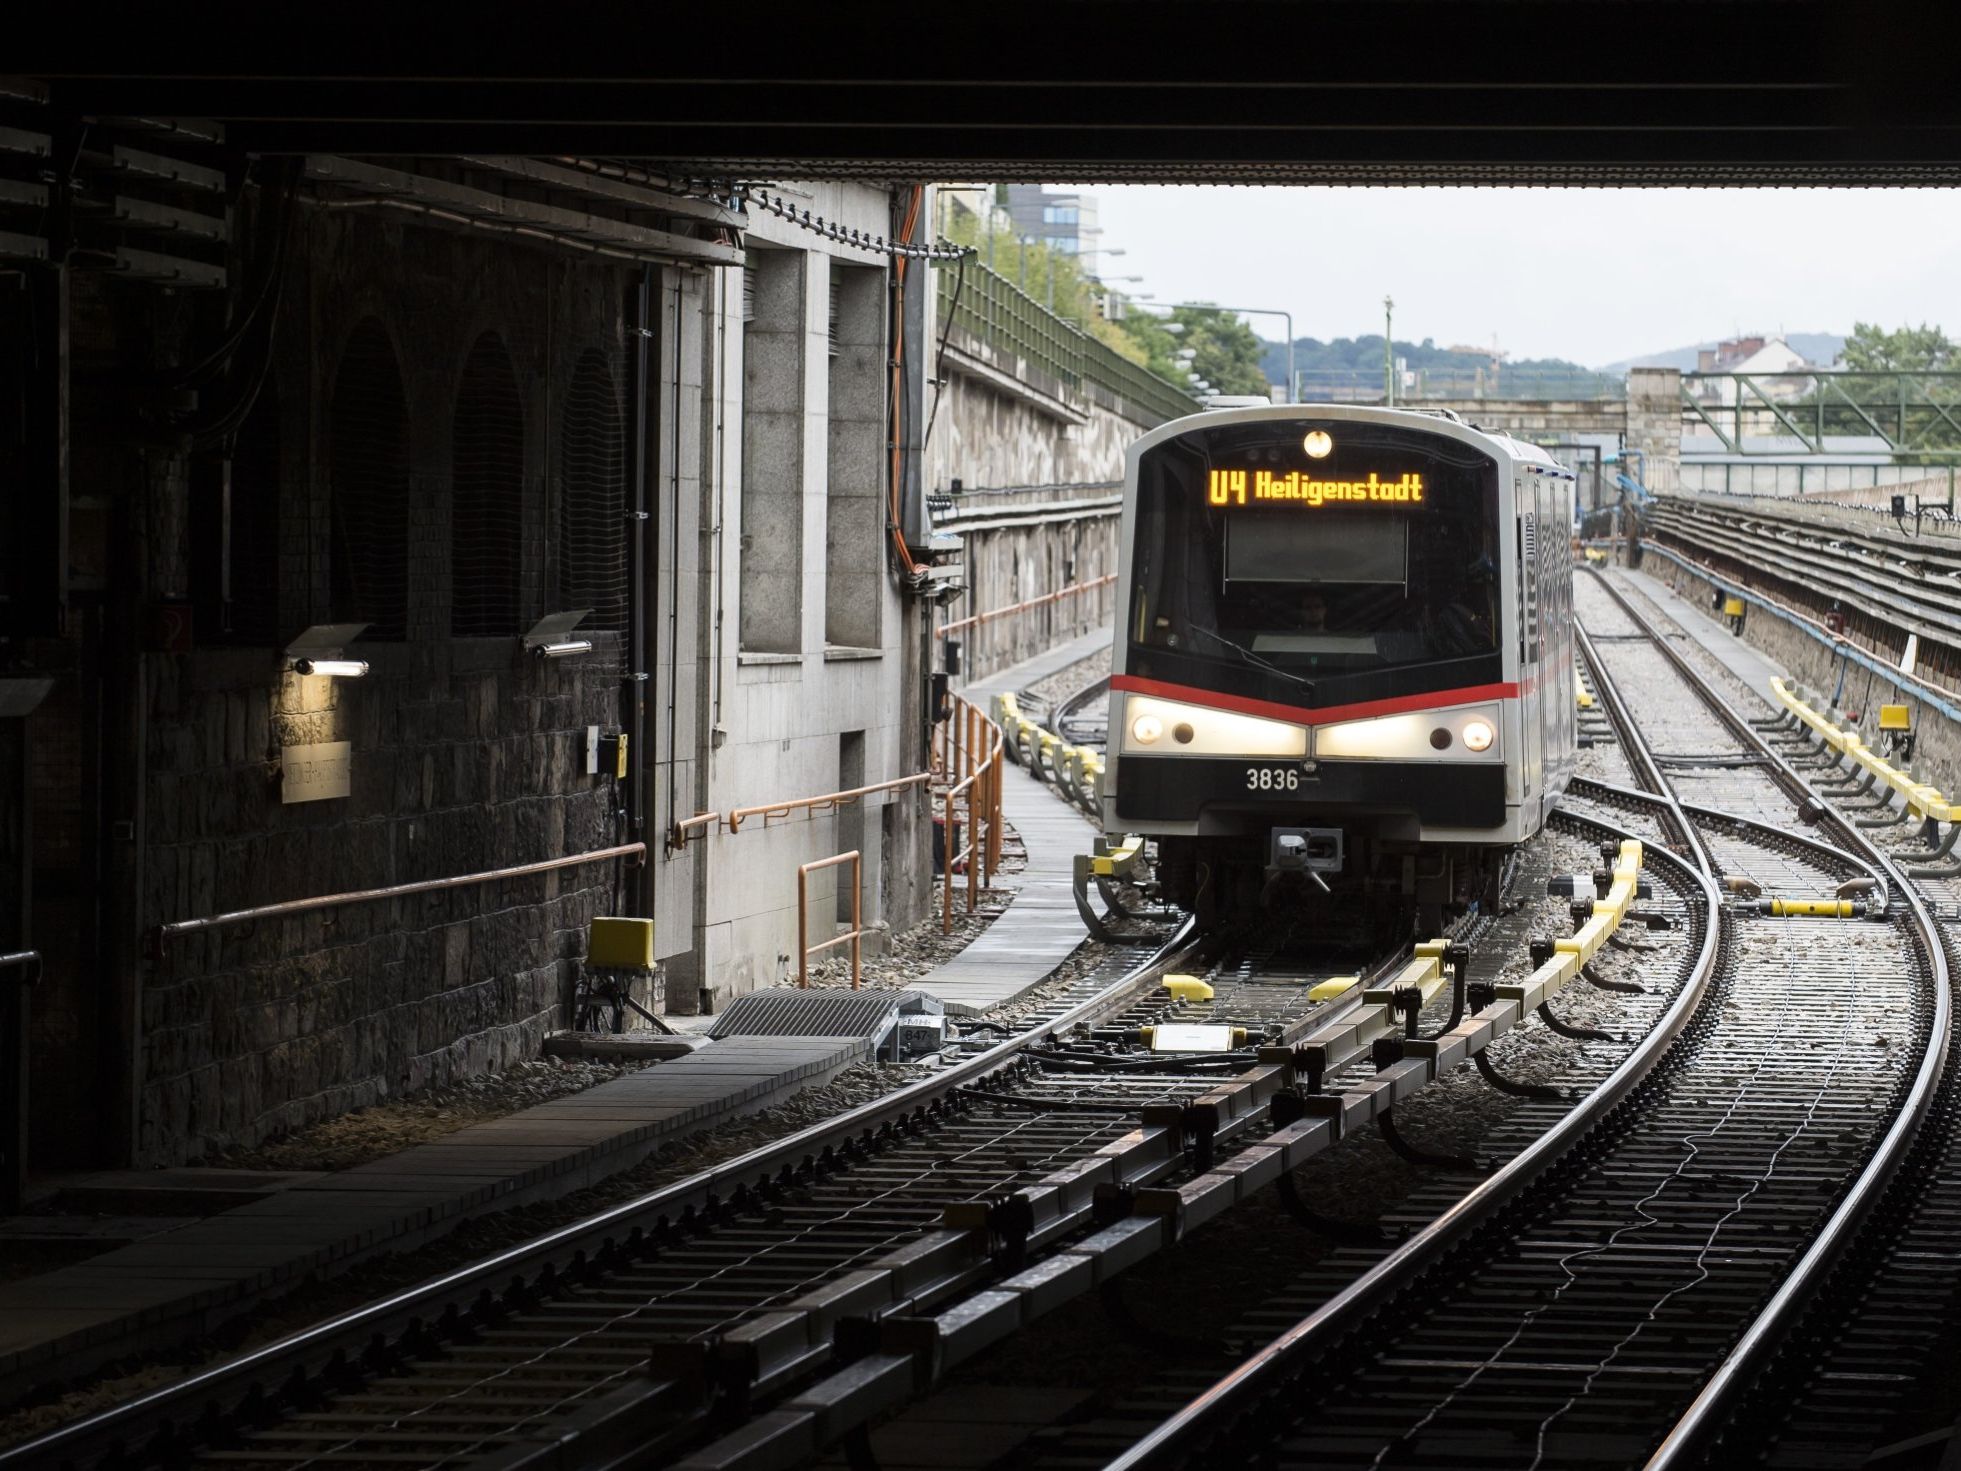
x,y
1592,275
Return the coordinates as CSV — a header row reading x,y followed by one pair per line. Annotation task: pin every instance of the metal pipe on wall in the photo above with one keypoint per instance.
x,y
636,526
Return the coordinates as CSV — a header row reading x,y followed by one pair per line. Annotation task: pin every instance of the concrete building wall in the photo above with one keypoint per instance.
x,y
838,698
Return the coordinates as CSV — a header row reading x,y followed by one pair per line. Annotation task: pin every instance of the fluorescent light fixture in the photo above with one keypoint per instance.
x,y
550,637
319,651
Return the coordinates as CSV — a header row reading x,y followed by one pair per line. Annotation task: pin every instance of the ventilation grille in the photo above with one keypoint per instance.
x,y
837,310
592,527
748,295
255,524
487,499
1528,569
369,475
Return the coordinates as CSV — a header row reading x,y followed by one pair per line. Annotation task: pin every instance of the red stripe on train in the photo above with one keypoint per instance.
x,y
1300,715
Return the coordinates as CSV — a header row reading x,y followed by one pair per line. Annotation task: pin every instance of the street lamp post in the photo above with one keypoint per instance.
x,y
1388,357
1293,383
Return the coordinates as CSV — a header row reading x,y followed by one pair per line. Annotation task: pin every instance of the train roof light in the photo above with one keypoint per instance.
x,y
1318,443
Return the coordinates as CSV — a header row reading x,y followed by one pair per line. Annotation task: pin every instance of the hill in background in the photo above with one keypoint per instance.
x,y
1351,368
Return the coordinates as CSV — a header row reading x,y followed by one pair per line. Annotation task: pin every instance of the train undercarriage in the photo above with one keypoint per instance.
x,y
1374,890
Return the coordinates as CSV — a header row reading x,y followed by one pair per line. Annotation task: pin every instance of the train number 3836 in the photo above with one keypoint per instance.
x,y
1272,779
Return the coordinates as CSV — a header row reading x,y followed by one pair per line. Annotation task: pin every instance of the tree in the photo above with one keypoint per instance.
x,y
1923,349
1226,352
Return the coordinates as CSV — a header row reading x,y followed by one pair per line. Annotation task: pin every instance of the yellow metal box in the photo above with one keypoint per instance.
x,y
1894,717
620,944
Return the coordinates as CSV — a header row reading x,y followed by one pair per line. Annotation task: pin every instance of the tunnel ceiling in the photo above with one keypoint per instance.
x,y
1389,92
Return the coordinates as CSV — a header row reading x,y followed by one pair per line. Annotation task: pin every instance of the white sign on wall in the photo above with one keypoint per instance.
x,y
312,773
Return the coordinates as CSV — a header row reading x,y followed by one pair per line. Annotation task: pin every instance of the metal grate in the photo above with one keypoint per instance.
x,y
592,526
255,571
486,524
837,311
790,1012
748,294
369,475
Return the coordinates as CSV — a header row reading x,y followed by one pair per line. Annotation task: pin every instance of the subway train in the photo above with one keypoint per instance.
x,y
1342,682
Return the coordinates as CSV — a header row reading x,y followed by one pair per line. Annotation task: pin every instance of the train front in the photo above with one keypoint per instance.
x,y
1309,685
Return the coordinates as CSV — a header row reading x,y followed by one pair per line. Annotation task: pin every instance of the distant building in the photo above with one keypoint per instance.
x,y
1759,355
1062,220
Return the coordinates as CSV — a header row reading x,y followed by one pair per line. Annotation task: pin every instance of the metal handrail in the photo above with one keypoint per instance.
x,y
767,810
970,753
28,960
1075,589
804,948
161,936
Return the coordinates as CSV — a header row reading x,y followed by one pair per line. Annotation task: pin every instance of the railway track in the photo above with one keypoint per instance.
x,y
1614,1294
692,1309
526,1346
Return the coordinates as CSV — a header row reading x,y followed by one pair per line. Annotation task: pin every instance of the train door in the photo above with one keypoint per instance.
x,y
1530,669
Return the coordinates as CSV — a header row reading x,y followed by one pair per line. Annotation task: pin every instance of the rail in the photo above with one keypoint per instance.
x,y
855,939
163,934
968,753
1075,589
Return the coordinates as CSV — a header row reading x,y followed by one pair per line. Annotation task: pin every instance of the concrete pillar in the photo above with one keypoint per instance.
x,y
1654,427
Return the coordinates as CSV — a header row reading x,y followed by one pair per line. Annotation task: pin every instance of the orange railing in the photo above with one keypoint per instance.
x,y
804,948
968,753
1075,589
682,832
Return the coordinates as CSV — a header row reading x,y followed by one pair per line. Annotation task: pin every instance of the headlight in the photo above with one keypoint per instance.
x,y
1199,731
1469,733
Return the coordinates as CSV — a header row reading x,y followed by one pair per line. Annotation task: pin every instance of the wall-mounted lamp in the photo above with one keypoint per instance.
x,y
332,668
319,651
550,637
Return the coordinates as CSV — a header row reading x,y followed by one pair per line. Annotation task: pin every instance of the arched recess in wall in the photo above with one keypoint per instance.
x,y
368,470
255,492
592,528
486,515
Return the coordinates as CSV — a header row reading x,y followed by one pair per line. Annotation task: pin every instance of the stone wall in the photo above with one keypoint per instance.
x,y
467,756
996,425
422,491
1021,544
1654,427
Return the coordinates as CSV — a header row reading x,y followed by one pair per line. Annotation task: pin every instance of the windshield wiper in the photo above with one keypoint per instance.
x,y
1254,659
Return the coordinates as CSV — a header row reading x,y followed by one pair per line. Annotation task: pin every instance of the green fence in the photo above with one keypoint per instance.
x,y
1059,356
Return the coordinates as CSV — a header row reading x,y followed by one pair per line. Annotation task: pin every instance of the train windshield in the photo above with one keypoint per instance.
x,y
1348,561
